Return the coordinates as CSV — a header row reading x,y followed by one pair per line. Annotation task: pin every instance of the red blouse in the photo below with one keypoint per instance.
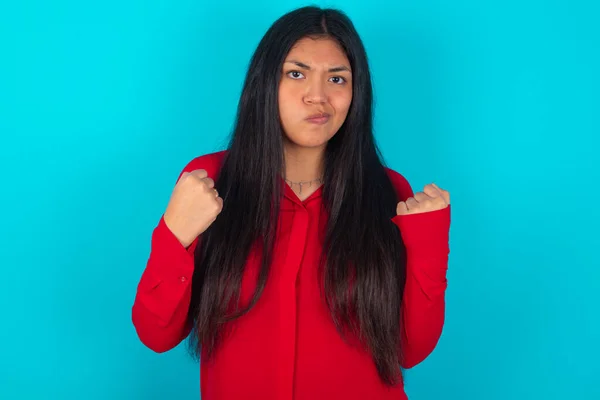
x,y
287,346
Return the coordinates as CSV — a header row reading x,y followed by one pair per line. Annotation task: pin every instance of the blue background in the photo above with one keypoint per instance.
x,y
103,103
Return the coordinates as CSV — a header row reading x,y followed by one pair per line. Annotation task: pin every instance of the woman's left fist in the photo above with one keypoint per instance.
x,y
432,198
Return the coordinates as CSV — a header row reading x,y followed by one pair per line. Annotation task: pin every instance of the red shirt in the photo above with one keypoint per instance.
x,y
287,346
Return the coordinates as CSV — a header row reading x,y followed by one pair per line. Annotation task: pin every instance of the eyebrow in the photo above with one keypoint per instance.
x,y
306,67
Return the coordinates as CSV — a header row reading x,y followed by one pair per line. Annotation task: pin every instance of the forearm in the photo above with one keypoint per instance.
x,y
161,304
426,237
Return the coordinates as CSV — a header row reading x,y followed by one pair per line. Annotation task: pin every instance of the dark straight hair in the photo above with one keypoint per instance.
x,y
364,259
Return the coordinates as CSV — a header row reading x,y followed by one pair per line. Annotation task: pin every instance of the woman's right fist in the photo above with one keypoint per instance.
x,y
193,207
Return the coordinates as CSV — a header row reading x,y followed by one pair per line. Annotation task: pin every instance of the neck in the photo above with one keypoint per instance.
x,y
304,164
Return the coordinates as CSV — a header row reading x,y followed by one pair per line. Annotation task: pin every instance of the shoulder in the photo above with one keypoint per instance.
x,y
211,162
400,184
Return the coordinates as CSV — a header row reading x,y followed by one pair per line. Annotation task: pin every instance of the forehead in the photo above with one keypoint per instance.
x,y
322,51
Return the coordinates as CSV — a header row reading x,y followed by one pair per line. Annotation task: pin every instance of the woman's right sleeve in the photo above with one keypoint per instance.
x,y
162,299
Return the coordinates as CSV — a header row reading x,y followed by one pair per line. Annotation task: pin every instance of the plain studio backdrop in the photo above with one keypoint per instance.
x,y
103,103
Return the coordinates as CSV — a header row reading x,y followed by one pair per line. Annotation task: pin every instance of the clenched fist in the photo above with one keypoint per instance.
x,y
432,198
193,207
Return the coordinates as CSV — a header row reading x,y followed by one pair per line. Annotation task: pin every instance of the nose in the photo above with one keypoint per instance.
x,y
315,93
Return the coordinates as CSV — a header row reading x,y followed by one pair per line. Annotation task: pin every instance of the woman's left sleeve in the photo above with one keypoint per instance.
x,y
426,237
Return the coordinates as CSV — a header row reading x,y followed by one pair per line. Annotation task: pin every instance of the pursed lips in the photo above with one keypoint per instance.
x,y
318,118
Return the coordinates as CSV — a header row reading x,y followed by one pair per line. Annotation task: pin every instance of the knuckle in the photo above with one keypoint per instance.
x,y
205,185
198,174
185,176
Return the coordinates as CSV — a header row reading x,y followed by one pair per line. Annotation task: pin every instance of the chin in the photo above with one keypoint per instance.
x,y
308,143
314,140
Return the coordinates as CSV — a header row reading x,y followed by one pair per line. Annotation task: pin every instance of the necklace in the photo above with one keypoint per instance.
x,y
302,183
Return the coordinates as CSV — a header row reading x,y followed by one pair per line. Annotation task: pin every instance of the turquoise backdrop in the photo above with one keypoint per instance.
x,y
103,103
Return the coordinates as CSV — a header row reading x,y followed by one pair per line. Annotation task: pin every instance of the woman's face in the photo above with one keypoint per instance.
x,y
315,92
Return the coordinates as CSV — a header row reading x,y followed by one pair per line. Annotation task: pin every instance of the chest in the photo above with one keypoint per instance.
x,y
296,254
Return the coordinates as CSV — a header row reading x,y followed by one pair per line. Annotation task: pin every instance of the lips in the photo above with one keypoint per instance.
x,y
318,118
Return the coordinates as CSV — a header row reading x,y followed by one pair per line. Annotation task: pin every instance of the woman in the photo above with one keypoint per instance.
x,y
302,267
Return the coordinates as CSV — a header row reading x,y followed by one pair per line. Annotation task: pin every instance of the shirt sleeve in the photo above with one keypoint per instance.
x,y
160,308
426,237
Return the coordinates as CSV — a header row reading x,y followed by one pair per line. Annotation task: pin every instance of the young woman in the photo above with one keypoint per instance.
x,y
302,267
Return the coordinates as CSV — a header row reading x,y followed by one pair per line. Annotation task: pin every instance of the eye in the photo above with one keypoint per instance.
x,y
338,80
295,74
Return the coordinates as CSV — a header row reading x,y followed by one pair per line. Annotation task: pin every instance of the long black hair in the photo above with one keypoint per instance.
x,y
364,272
